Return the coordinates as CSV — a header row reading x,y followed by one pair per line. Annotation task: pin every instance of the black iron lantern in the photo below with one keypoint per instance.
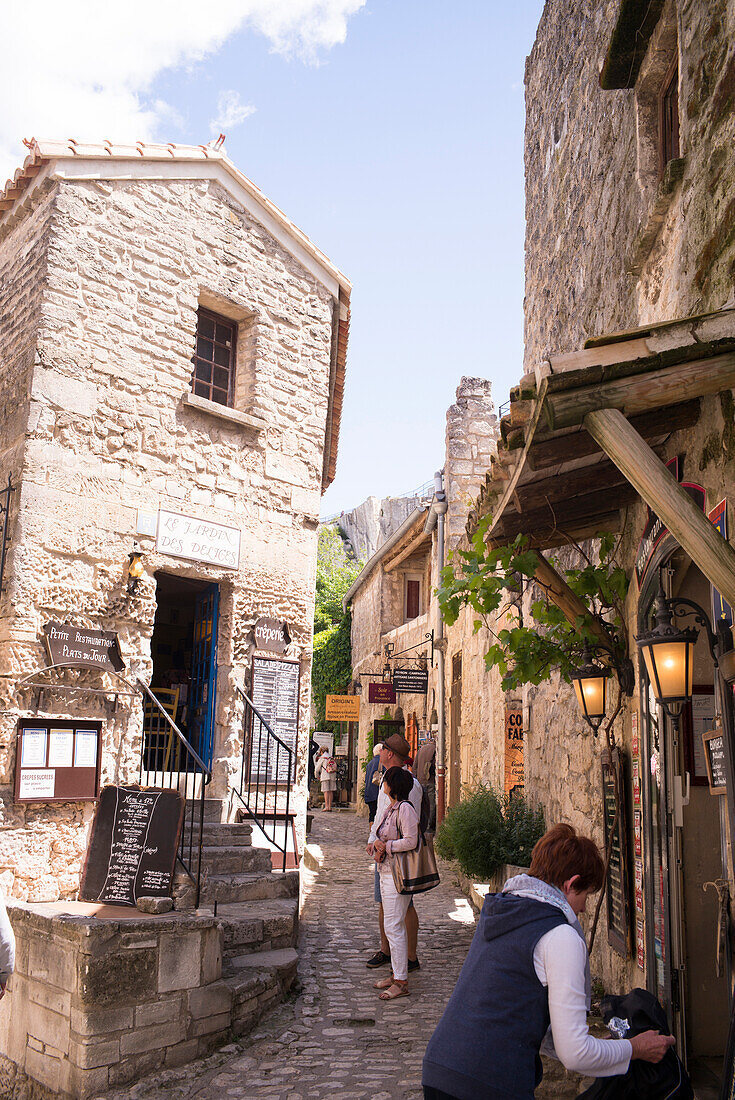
x,y
590,687
135,568
668,653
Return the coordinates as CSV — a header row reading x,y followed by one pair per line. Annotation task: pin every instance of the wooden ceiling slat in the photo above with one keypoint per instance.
x,y
565,514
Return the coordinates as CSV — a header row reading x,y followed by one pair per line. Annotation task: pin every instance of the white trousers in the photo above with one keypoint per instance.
x,y
395,906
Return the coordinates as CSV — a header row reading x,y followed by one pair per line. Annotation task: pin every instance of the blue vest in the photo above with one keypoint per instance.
x,y
486,1045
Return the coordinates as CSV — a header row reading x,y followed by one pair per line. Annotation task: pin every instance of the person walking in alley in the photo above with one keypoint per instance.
x,y
326,772
372,785
394,754
398,832
528,968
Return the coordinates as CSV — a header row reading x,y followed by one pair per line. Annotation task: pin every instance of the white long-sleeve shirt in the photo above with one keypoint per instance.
x,y
383,805
559,960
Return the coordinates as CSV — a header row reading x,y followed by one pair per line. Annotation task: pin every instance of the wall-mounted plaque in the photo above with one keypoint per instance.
x,y
381,692
132,846
618,876
82,647
714,752
412,681
343,708
271,635
198,540
276,697
57,760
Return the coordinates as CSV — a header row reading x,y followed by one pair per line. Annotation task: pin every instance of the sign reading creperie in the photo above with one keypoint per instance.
x,y
343,708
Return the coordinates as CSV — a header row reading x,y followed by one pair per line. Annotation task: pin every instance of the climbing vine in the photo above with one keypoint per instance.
x,y
491,581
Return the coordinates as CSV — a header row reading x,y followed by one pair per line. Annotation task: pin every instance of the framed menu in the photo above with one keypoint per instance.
x,y
276,684
698,717
713,744
57,760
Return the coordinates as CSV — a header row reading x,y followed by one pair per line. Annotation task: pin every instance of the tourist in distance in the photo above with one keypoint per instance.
x,y
370,795
326,772
394,753
528,968
398,831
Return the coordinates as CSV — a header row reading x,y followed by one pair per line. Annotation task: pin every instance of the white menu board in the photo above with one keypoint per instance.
x,y
276,697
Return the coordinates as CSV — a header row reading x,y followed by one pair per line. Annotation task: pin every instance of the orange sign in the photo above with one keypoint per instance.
x,y
514,738
343,708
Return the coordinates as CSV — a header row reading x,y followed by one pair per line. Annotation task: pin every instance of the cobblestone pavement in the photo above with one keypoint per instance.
x,y
335,1038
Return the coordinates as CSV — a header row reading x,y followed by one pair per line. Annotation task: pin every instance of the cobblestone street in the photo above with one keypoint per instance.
x,y
335,1038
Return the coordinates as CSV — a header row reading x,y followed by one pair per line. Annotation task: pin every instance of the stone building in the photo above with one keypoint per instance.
x,y
623,422
172,361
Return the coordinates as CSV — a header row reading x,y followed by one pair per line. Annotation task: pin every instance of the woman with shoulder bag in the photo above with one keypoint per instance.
x,y
397,832
326,772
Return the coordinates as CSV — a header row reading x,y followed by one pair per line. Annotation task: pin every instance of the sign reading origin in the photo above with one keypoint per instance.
x,y
198,540
82,647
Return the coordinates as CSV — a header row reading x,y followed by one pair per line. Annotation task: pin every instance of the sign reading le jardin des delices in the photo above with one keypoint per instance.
x,y
198,540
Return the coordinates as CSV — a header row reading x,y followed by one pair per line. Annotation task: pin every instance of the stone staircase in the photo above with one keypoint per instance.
x,y
257,910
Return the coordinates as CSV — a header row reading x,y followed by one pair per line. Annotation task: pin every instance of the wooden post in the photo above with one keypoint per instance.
x,y
561,594
664,496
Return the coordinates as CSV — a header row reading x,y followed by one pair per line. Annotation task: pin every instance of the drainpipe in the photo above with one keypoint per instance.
x,y
436,515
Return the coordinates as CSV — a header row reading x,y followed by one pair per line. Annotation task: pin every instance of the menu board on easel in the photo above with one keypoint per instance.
x,y
276,697
618,878
57,760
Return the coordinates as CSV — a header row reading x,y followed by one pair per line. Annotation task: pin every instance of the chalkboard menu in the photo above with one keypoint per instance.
x,y
276,697
132,847
714,754
618,880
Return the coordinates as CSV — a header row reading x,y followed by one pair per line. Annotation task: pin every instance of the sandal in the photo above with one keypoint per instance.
x,y
384,983
397,989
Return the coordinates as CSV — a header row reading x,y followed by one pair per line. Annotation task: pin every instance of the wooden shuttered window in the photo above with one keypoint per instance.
x,y
214,358
669,119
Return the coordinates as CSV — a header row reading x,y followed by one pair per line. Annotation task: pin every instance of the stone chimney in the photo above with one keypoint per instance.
x,y
472,432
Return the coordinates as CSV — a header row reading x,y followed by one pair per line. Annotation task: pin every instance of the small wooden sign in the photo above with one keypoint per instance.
x,y
82,647
132,846
57,760
343,708
381,692
714,754
514,773
411,681
271,636
618,878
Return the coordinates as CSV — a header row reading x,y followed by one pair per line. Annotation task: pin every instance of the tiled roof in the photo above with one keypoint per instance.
x,y
43,152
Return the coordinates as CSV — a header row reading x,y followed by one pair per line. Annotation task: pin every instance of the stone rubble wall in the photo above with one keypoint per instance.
x,y
471,440
369,525
109,433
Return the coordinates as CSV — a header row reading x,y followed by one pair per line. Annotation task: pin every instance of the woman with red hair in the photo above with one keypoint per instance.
x,y
525,986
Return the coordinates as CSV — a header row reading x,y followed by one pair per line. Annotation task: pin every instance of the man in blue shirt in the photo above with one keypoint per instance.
x,y
372,787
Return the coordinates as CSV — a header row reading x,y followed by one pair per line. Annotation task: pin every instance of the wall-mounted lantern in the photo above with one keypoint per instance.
x,y
135,568
590,687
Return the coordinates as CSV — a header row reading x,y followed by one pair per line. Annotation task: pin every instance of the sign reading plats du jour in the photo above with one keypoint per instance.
x,y
198,540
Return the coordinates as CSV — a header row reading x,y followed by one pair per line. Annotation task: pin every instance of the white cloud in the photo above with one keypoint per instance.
x,y
231,111
83,68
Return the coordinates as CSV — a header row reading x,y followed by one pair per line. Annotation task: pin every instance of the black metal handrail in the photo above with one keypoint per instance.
x,y
266,775
4,516
177,764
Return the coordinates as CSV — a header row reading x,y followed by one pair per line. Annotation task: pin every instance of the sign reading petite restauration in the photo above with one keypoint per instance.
x,y
198,540
82,647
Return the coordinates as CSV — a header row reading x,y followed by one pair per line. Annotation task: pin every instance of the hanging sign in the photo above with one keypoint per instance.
x,y
514,741
714,754
412,681
618,904
271,635
720,608
381,692
343,708
655,528
82,647
198,540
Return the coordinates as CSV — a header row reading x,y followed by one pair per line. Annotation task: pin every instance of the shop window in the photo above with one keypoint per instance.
x,y
411,597
214,358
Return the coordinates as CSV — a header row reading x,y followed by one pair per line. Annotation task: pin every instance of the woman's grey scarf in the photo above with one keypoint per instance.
x,y
525,886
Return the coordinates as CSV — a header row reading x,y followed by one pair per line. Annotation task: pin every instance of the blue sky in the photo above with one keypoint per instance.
x,y
390,131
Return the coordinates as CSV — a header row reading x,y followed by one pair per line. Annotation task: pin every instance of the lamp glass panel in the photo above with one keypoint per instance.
x,y
670,667
135,569
591,692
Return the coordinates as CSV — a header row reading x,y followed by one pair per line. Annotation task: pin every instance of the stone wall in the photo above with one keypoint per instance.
x,y
471,439
369,525
110,433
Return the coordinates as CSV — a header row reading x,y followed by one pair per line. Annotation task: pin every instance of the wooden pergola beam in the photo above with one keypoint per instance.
x,y
665,496
567,601
638,393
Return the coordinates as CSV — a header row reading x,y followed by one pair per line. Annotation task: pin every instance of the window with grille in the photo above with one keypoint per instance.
x,y
669,119
214,358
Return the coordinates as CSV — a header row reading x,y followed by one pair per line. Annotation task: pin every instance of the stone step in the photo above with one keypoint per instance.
x,y
241,887
283,962
253,994
235,859
220,834
249,926
212,809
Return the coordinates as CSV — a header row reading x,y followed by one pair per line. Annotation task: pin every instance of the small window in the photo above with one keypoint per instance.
x,y
412,598
214,358
669,119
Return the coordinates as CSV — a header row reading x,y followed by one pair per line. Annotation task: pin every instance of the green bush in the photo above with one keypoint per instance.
x,y
486,830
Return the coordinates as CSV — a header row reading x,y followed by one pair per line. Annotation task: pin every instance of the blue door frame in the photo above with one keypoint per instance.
x,y
204,672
